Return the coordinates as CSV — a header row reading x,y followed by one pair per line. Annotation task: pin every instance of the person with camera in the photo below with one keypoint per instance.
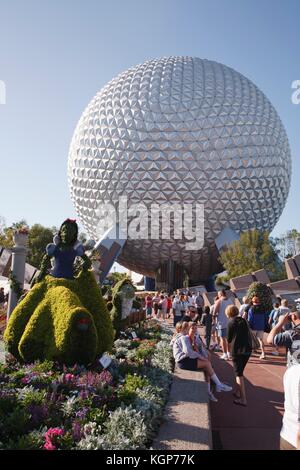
x,y
290,431
278,336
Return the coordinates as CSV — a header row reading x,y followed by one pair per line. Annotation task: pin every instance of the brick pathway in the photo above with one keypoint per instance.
x,y
258,425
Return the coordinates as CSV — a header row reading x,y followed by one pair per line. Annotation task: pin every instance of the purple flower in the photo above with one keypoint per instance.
x,y
81,414
84,394
25,380
38,413
106,377
76,431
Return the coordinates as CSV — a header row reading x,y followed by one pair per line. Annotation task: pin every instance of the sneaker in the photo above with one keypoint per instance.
x,y
229,357
275,353
262,356
224,356
223,388
212,397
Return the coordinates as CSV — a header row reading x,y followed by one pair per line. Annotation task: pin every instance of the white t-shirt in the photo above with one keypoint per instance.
x,y
290,422
242,309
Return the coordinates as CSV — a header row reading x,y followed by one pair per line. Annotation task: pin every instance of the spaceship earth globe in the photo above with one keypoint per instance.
x,y
181,130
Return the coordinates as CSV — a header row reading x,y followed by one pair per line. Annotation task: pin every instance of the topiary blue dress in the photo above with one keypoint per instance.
x,y
64,259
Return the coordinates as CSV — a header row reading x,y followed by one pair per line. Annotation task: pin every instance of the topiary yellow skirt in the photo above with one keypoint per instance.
x,y
62,320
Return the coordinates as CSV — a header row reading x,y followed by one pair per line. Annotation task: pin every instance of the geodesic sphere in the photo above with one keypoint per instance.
x,y
181,130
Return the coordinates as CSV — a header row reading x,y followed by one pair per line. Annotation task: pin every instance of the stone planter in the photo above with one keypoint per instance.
x,y
20,239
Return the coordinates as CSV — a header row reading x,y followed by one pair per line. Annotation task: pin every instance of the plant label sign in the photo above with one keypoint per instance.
x,y
105,361
134,335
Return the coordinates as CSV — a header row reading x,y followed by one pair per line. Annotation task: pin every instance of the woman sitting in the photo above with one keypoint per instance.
x,y
181,328
187,356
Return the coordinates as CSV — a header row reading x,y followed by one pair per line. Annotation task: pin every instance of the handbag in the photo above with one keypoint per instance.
x,y
254,341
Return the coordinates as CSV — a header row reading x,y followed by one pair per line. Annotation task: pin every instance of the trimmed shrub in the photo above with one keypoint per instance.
x,y
116,311
263,292
21,316
61,319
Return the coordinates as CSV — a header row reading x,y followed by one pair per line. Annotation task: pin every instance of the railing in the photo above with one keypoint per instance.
x,y
136,317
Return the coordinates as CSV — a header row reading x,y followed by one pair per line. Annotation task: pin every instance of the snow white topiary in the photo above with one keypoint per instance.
x,y
62,317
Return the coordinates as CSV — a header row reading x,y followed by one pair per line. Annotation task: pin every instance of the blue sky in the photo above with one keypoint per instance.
x,y
55,55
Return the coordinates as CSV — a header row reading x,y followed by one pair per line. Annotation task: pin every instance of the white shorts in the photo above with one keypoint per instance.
x,y
259,334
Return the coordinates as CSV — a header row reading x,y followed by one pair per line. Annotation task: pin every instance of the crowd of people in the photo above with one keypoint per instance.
x,y
236,333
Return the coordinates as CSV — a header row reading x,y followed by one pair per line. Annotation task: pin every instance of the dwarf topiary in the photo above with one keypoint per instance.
x,y
263,292
122,300
62,319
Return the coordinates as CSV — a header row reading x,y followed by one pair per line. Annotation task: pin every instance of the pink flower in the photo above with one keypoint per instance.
x,y
69,377
52,433
49,446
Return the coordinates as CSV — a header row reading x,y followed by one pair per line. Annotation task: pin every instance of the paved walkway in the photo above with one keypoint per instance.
x,y
186,424
2,352
258,425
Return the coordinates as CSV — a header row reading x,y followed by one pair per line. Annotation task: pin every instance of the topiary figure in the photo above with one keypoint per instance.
x,y
63,319
122,300
263,292
65,249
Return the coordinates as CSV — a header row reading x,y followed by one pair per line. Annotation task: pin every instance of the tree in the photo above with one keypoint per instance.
x,y
117,277
288,244
39,237
252,252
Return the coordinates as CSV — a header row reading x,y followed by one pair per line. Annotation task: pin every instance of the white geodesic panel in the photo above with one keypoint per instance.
x,y
181,130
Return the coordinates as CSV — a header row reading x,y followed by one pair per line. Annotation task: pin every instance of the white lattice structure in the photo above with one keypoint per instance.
x,y
181,130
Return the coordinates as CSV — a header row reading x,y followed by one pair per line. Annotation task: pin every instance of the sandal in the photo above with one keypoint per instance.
x,y
237,402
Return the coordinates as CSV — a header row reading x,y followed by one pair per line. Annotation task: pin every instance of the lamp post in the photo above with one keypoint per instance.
x,y
19,252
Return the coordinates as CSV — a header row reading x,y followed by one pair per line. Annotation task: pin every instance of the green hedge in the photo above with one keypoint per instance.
x,y
263,292
44,325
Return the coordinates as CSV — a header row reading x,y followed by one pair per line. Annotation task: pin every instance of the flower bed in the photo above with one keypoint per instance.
x,y
46,406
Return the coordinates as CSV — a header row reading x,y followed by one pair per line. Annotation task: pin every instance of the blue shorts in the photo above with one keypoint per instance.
x,y
149,311
222,332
